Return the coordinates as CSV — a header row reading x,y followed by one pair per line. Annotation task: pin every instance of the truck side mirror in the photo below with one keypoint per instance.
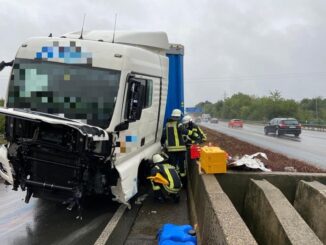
x,y
122,126
135,100
4,64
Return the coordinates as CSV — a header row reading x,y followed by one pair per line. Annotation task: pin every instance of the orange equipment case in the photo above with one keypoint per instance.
x,y
213,160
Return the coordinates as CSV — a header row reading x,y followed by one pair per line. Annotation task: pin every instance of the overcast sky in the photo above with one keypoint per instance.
x,y
251,46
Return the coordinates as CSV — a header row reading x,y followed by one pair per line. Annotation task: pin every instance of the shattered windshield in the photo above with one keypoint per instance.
x,y
77,92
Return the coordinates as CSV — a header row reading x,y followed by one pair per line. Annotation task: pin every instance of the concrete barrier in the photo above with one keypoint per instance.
x,y
310,202
219,223
235,183
217,219
271,217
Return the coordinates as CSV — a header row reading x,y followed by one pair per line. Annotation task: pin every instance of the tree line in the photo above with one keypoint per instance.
x,y
250,107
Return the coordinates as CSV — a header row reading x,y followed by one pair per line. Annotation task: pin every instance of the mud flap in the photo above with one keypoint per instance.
x,y
5,168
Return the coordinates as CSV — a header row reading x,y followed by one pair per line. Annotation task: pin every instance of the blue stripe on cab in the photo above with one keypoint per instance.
x,y
131,138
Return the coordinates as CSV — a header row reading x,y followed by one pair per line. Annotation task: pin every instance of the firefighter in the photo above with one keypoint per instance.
x,y
190,125
174,141
165,180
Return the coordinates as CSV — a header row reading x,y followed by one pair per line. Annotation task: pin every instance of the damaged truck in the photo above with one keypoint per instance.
x,y
85,111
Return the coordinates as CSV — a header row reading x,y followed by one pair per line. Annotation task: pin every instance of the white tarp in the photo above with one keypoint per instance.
x,y
251,161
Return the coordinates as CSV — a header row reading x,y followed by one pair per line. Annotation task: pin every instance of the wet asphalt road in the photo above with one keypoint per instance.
x,y
310,146
46,222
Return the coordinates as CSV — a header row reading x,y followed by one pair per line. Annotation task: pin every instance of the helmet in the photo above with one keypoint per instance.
x,y
176,113
157,158
186,119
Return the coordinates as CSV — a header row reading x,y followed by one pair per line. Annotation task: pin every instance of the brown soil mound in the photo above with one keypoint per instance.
x,y
275,162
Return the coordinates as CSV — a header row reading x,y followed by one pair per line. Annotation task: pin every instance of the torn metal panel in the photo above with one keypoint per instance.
x,y
96,133
56,158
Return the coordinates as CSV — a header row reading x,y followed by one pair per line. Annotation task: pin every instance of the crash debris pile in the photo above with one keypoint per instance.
x,y
249,162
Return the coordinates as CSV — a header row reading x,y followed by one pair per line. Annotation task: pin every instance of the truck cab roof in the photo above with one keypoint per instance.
x,y
152,40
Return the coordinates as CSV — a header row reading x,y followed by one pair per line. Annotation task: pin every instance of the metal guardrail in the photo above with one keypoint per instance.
x,y
314,127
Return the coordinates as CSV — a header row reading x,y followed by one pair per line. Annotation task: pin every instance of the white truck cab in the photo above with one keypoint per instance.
x,y
83,111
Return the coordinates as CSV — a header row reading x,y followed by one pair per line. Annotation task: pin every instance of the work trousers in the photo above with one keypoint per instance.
x,y
177,159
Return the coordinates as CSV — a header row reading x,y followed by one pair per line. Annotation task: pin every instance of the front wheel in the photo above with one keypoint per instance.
x,y
265,131
277,132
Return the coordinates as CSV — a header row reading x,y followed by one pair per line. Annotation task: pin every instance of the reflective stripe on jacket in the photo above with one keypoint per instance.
x,y
174,140
199,131
169,173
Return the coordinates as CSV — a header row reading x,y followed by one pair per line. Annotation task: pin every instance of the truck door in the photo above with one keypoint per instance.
x,y
144,130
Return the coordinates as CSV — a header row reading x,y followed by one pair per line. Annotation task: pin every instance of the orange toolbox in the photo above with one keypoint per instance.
x,y
213,160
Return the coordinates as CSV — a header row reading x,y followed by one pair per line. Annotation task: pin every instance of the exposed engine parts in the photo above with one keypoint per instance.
x,y
57,161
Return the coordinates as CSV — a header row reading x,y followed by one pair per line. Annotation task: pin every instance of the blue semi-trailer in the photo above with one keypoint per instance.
x,y
175,99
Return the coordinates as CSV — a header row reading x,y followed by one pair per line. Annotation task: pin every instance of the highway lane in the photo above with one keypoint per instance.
x,y
310,146
46,222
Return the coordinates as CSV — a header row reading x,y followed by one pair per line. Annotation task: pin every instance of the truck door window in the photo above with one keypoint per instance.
x,y
148,93
146,97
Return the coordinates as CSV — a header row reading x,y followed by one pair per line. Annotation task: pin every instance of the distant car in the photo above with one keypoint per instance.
x,y
235,123
214,120
281,126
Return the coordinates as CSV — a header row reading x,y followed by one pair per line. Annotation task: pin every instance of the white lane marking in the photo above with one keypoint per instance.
x,y
106,233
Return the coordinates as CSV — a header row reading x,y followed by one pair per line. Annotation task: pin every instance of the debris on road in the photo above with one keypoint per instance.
x,y
141,199
250,162
5,167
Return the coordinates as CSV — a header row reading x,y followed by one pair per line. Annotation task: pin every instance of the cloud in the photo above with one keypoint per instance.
x,y
231,46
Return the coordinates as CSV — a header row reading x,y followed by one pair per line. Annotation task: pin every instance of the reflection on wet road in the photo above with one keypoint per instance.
x,y
309,147
46,222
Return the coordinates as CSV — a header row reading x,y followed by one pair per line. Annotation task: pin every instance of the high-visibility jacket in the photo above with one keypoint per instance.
x,y
170,174
174,132
199,131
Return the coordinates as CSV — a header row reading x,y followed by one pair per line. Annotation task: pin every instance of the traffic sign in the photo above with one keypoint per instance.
x,y
193,110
